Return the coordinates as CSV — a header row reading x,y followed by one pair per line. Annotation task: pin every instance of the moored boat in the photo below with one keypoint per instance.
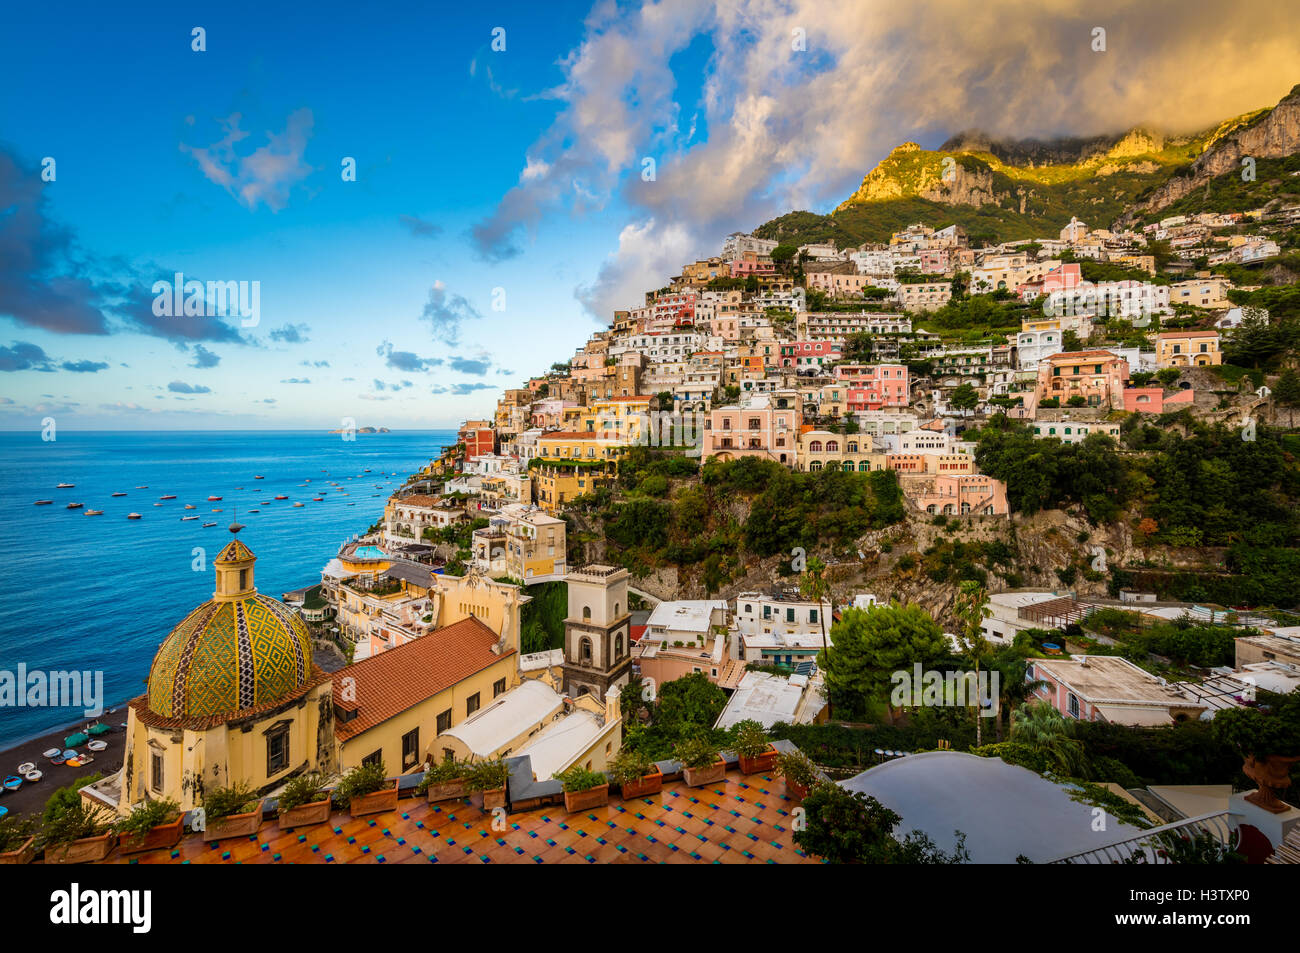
x,y
184,518
213,499
44,502
167,496
281,497
65,486
94,512
118,494
259,477
75,506
133,516
189,506
297,504
206,525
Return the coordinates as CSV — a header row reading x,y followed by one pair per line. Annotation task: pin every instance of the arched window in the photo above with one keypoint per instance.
x,y
586,612
616,612
584,650
832,446
852,448
864,466
815,465
618,646
815,447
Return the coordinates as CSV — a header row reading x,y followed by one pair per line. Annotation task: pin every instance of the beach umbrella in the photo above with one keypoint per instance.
x,y
73,740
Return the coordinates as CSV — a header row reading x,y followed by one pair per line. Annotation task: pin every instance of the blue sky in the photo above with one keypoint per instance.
x,y
476,170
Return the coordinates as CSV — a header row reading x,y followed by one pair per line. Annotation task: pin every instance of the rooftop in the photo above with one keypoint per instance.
x,y
1111,678
685,615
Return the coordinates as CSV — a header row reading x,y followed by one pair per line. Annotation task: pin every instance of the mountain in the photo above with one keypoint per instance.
x,y
1006,190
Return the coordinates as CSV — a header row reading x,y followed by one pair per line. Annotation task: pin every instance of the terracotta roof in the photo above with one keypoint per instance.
x,y
570,435
391,682
1074,355
1209,332
418,499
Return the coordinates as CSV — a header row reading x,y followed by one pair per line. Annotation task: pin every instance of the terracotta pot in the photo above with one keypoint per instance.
x,y
1271,773
494,798
697,777
317,812
757,765
20,855
374,803
447,790
234,825
795,790
88,850
649,784
585,800
161,837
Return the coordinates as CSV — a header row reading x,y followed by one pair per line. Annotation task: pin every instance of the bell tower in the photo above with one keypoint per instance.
x,y
597,646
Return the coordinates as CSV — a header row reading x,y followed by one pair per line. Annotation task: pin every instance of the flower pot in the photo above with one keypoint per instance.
x,y
88,850
494,798
585,800
795,790
759,763
697,777
649,784
1271,773
375,802
447,790
161,837
233,825
22,854
317,812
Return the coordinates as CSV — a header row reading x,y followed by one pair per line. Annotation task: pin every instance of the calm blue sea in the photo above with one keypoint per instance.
x,y
101,592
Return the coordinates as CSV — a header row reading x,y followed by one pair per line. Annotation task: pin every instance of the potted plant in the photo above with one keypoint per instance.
x,y
303,801
800,773
636,774
230,812
17,839
490,777
754,750
1267,736
365,790
151,825
78,832
446,780
701,763
583,789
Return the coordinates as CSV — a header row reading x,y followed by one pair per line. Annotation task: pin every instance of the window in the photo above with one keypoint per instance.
x,y
789,615
444,721
498,687
1074,705
375,757
410,749
471,704
277,749
812,615
584,650
156,771
243,573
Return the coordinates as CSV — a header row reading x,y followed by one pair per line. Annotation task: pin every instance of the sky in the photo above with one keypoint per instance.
x,y
428,203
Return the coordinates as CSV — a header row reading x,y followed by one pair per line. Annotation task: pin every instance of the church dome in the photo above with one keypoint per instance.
x,y
238,651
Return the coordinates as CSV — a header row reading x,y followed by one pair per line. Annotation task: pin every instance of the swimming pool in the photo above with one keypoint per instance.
x,y
370,552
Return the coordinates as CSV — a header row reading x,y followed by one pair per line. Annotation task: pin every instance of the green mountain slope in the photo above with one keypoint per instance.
x,y
1006,191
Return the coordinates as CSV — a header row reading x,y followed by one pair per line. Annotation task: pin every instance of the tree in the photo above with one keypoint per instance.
x,y
849,827
971,610
1286,393
964,397
1042,728
813,585
688,704
869,645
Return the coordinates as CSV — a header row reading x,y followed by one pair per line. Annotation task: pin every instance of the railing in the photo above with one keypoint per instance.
x,y
1154,844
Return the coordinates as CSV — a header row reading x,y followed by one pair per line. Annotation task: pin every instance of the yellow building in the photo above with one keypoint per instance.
x,y
558,482
823,449
1188,349
618,420
521,542
232,696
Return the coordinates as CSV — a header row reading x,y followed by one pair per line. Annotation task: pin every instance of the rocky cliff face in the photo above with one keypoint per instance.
x,y
1273,136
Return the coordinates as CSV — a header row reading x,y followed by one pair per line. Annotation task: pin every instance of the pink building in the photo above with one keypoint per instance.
x,y
974,494
935,261
806,354
1152,400
878,385
762,429
749,263
1096,376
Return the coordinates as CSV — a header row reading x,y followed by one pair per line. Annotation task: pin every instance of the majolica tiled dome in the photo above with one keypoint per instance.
x,y
238,651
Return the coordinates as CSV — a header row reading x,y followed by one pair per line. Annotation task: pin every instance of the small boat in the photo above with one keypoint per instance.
x,y
65,486
44,502
75,506
13,782
94,512
254,511
259,477
297,504
157,504
213,499
51,752
206,525
33,776
281,497
145,487
318,499
217,509
96,745
189,506
118,494
25,767
258,490
167,496
184,518
133,516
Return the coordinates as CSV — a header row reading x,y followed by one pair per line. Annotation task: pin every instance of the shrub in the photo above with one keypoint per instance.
x,y
223,802
148,815
75,820
630,766
14,831
577,778
797,768
365,778
444,772
695,752
751,739
488,775
304,789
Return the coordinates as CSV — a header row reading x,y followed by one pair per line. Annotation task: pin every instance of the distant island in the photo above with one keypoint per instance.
x,y
364,430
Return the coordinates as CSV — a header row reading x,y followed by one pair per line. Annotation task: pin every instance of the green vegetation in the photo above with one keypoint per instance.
x,y
221,802
541,621
849,827
366,778
304,789
577,778
146,816
685,707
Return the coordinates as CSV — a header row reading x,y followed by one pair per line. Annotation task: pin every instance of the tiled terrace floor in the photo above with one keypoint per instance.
x,y
741,820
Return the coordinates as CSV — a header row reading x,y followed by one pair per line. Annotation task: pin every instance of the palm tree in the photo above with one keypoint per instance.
x,y
813,585
1014,689
1044,729
971,612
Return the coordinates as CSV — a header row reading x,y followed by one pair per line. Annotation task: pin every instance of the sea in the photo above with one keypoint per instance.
x,y
100,593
